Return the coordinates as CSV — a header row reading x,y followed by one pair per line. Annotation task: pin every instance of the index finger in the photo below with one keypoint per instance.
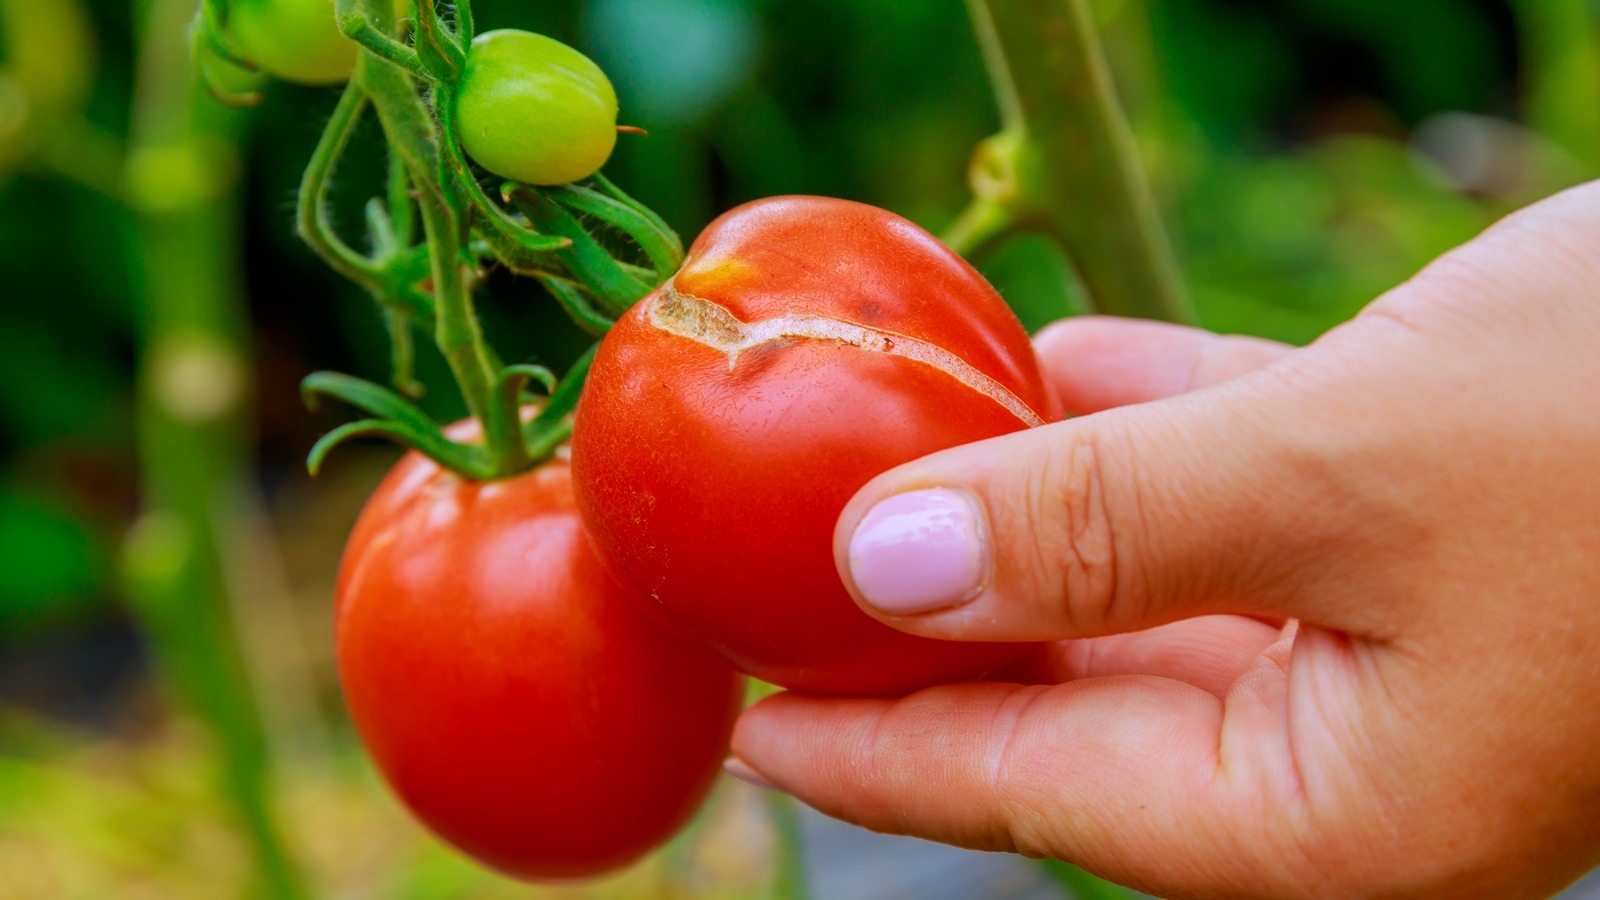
x,y
1101,362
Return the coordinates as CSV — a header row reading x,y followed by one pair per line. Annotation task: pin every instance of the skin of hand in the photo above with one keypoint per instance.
x,y
1321,622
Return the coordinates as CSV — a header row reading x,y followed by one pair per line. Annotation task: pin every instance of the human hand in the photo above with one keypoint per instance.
x,y
1325,622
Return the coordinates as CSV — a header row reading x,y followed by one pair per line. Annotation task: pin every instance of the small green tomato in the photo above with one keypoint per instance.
x,y
295,40
534,110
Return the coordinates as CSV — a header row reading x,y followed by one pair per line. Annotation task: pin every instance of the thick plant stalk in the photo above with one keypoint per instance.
x,y
1561,42
193,436
1065,161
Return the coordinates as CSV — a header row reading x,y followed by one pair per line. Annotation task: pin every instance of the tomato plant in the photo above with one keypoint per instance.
x,y
534,110
516,697
295,40
805,346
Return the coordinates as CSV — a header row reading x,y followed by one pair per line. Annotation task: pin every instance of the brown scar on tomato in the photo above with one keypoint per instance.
x,y
704,322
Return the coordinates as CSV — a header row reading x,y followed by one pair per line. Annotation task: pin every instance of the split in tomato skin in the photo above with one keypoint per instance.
x,y
518,699
806,346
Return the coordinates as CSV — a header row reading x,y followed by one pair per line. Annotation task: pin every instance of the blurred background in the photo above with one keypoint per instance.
x,y
166,565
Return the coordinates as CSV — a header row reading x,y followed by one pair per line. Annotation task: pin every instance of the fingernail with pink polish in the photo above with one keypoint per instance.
x,y
919,552
741,770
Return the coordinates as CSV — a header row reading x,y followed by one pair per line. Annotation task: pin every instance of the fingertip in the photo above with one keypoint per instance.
x,y
1096,363
1063,338
768,726
756,721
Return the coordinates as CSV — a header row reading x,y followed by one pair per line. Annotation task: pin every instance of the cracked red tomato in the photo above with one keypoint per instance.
x,y
806,346
518,699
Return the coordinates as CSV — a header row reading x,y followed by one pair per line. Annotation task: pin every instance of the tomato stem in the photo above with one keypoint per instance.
x,y
411,134
1065,163
980,226
312,203
402,211
427,279
436,45
359,27
466,28
181,566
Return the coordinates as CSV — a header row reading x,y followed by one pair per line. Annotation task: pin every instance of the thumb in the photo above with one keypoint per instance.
x,y
1227,500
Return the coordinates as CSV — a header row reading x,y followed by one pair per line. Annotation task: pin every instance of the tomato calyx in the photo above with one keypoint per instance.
x,y
397,419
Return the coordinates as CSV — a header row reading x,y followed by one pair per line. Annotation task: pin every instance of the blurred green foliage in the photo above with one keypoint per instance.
x,y
1310,154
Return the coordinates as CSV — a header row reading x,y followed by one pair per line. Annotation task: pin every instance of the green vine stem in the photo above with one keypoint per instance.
x,y
412,136
358,27
312,205
192,418
436,44
1065,162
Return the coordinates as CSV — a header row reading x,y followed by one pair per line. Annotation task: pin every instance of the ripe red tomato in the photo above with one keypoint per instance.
x,y
806,346
515,696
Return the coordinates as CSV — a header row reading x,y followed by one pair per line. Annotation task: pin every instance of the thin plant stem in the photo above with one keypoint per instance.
x,y
412,135
402,211
360,28
979,226
436,45
312,207
1072,166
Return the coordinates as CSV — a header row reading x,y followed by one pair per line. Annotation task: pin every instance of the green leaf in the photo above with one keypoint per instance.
x,y
514,243
399,420
607,186
365,396
589,262
662,246
520,375
578,305
551,427
470,462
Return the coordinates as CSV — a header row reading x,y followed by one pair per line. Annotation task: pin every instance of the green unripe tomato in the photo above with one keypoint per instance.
x,y
534,110
295,40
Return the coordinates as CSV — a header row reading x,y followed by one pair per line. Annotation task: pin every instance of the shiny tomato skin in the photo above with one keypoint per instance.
x,y
519,700
714,483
